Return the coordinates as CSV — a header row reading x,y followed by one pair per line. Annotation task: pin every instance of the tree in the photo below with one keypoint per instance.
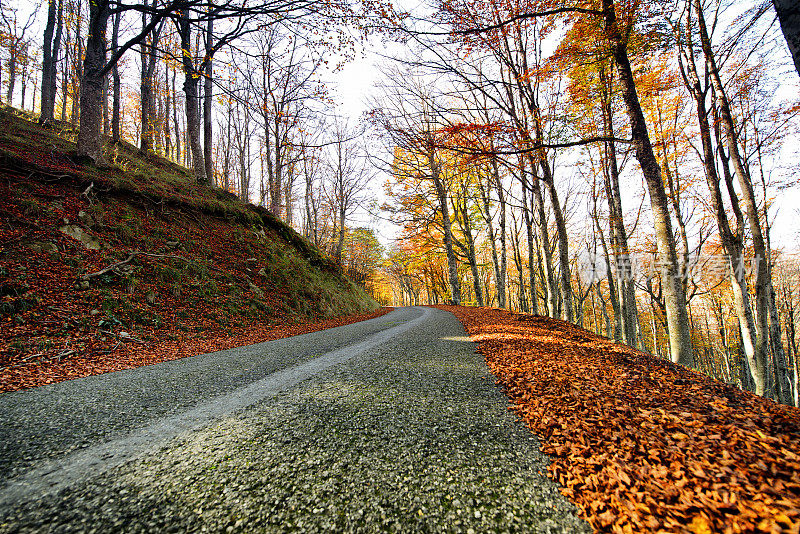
x,y
349,178
50,49
147,58
185,13
674,295
789,16
16,44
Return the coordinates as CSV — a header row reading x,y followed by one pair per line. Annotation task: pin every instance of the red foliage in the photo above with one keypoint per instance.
x,y
640,444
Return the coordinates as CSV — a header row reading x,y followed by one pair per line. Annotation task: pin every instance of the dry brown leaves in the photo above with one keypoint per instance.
x,y
640,444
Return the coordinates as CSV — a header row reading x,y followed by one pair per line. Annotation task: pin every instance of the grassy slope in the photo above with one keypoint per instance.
x,y
223,265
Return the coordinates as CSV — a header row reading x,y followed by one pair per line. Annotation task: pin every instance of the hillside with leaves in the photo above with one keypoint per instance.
x,y
107,267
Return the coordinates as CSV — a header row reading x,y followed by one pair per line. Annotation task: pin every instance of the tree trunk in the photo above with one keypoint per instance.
x,y
24,84
77,75
167,103
12,71
147,59
441,194
208,133
611,279
49,60
789,16
521,296
674,295
340,243
90,141
528,219
762,282
544,241
473,263
487,217
568,313
175,118
619,237
192,102
501,198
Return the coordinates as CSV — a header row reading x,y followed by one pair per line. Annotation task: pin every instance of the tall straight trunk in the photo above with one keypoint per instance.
x,y
487,218
147,60
175,121
47,62
762,282
470,248
277,169
611,279
167,103
501,200
34,92
23,80
12,71
544,241
160,120
106,123
441,195
340,243
522,297
67,68
65,80
208,133
308,200
77,79
783,367
568,311
528,219
789,16
116,97
502,289
90,141
55,23
674,295
192,101
619,237
227,150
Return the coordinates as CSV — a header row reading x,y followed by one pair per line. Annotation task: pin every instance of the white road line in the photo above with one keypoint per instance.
x,y
55,475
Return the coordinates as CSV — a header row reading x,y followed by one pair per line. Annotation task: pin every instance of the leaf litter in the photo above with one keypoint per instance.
x,y
640,444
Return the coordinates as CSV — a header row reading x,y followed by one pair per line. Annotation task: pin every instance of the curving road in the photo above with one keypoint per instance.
x,y
388,424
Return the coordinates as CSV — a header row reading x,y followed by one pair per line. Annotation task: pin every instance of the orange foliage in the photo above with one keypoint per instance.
x,y
640,444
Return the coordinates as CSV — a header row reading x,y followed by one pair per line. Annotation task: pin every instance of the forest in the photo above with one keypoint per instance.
x,y
616,164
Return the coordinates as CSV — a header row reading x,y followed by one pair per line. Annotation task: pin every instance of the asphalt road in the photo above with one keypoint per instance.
x,y
391,424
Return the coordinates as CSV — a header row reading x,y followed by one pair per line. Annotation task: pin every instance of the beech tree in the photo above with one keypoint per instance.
x,y
789,17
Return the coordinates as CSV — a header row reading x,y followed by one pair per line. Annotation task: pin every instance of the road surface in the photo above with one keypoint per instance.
x,y
391,424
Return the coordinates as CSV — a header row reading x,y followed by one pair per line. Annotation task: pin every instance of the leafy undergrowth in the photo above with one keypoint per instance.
x,y
194,269
640,444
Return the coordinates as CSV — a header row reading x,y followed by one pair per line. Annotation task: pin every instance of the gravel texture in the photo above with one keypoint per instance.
x,y
409,436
